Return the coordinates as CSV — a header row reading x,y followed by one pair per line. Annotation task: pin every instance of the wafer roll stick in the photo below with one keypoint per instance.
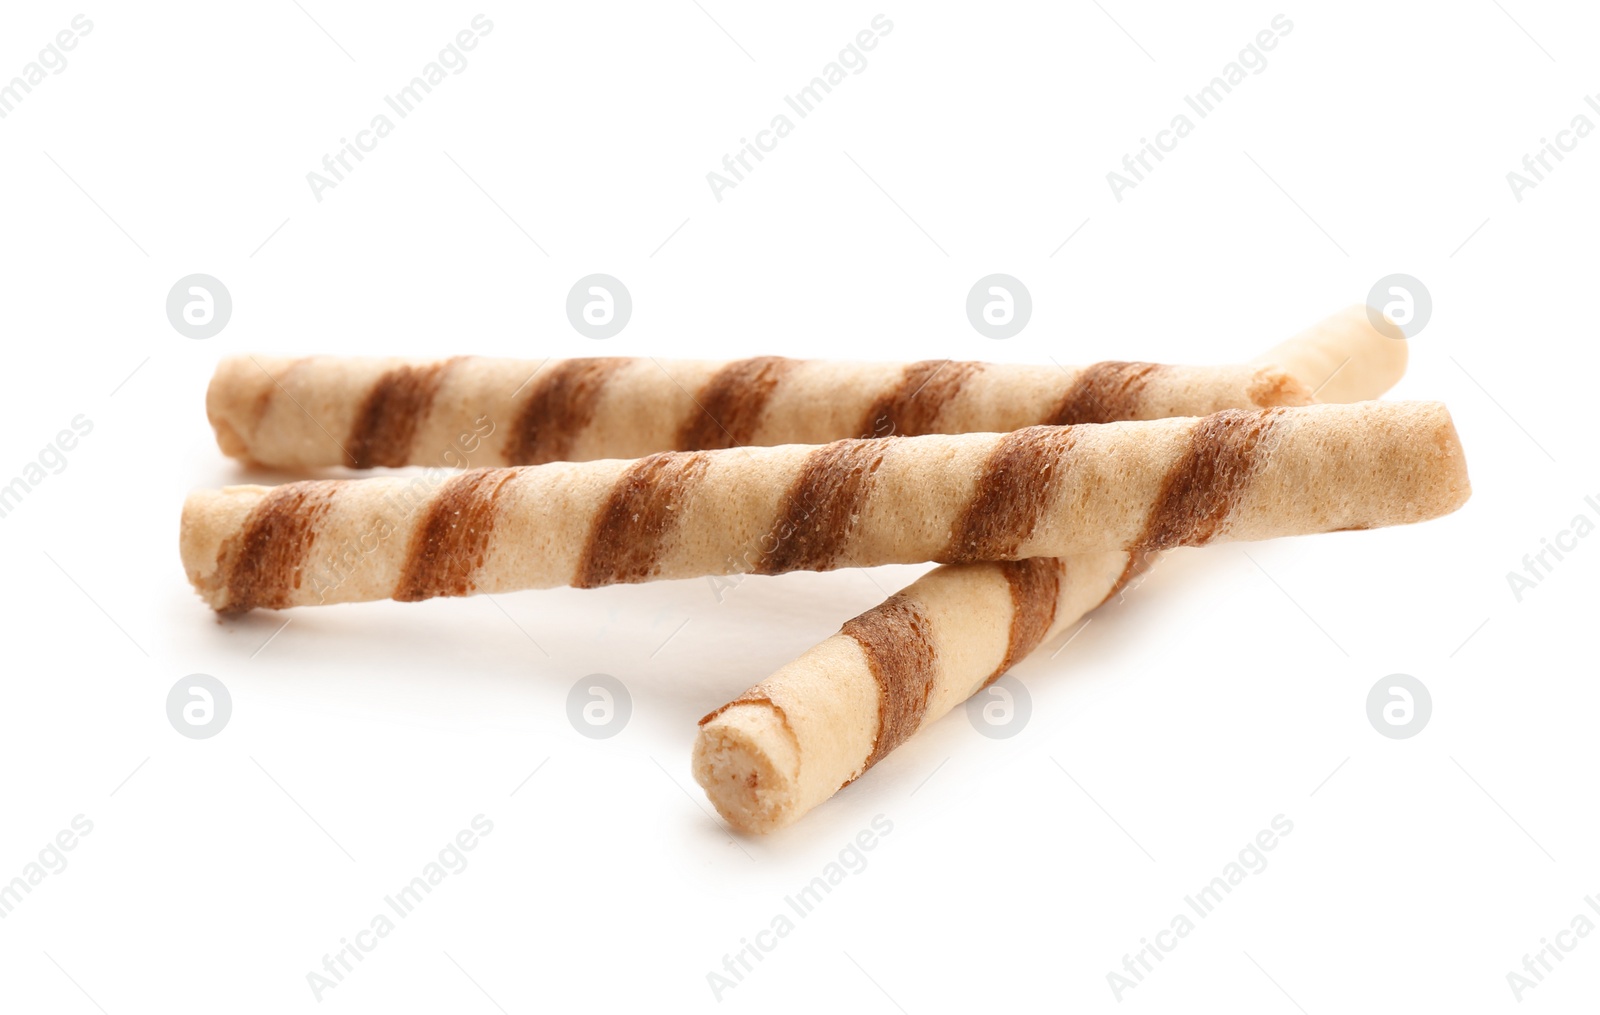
x,y
791,742
328,411
1040,491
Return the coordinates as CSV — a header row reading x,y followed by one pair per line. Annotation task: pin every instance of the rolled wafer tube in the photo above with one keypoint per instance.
x,y
1040,491
362,412
791,742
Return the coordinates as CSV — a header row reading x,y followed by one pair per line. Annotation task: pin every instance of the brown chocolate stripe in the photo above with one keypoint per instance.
x,y
1104,393
266,562
911,408
387,422
559,407
729,405
1202,488
449,546
897,637
636,524
821,507
1035,589
1011,496
1205,483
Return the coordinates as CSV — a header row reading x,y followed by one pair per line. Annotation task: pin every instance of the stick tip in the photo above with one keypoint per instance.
x,y
746,759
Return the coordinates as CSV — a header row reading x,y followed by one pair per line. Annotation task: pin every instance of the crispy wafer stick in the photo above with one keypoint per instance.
x,y
813,727
791,742
1040,491
362,412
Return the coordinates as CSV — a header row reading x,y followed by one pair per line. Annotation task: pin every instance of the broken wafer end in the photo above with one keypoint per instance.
x,y
208,517
234,399
747,760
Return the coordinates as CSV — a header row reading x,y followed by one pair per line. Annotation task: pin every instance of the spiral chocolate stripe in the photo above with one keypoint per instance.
x,y
1035,590
1013,493
897,637
821,507
558,408
910,408
1205,484
729,405
386,424
638,519
449,546
1105,393
263,564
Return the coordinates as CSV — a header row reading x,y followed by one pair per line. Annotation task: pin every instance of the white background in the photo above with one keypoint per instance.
x,y
1227,690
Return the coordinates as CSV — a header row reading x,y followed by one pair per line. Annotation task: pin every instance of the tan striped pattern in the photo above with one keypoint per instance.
x,y
1042,491
382,412
787,744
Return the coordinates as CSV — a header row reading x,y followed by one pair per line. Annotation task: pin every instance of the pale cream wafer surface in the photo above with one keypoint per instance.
x,y
469,411
1040,491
